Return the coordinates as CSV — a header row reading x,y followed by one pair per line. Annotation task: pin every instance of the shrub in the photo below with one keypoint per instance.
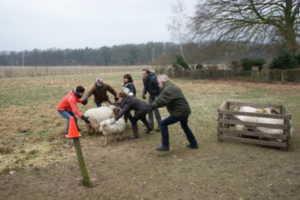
x,y
180,62
285,61
199,66
248,63
235,65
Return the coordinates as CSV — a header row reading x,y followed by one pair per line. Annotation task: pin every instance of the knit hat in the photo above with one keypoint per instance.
x,y
99,80
80,89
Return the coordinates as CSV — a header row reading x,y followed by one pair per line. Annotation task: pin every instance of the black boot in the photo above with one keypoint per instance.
x,y
163,148
135,132
149,128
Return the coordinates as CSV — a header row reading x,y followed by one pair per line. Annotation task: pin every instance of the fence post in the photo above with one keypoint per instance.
x,y
282,76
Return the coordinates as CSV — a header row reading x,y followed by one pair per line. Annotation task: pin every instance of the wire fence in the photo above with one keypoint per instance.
x,y
266,75
14,71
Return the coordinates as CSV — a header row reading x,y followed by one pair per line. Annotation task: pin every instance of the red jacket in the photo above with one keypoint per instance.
x,y
69,103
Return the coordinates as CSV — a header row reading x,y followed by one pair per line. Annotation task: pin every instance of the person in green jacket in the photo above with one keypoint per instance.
x,y
172,97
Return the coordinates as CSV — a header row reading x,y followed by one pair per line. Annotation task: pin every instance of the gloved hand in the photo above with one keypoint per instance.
x,y
131,94
116,98
149,108
112,121
84,101
144,96
86,119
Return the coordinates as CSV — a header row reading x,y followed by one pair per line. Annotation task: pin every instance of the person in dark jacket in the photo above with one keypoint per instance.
x,y
67,107
151,86
131,103
129,88
128,85
99,90
172,97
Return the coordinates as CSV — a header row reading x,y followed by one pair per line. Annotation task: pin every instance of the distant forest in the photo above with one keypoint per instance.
x,y
130,54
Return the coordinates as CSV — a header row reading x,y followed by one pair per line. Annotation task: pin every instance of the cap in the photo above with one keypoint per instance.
x,y
99,80
80,89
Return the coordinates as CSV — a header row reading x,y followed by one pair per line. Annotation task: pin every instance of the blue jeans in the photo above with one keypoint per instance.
x,y
99,105
184,125
67,115
156,112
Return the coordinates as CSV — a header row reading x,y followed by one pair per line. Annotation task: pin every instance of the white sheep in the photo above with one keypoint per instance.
x,y
97,115
271,121
115,129
248,118
259,120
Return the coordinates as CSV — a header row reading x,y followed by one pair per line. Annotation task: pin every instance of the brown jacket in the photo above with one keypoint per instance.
x,y
100,93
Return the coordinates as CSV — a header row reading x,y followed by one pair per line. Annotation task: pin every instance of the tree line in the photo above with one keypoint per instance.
x,y
158,53
128,54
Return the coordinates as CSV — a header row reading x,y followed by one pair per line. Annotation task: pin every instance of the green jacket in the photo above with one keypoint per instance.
x,y
172,97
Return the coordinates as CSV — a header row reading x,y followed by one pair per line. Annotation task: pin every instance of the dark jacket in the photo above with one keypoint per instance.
x,y
151,85
172,97
132,103
100,93
131,88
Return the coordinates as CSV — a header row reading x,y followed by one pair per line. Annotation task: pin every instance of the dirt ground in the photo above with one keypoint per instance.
x,y
42,163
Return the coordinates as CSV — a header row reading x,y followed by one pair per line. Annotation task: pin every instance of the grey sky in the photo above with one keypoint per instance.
x,y
44,24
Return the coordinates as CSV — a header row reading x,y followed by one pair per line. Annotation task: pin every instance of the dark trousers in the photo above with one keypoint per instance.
x,y
67,115
184,125
134,120
156,113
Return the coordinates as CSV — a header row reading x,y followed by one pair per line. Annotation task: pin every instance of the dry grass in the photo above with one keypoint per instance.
x,y
32,144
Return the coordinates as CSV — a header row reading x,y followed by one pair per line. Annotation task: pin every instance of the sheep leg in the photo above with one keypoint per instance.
x,y
115,137
88,127
105,142
121,135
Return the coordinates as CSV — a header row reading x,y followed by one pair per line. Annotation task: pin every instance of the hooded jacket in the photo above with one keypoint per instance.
x,y
151,85
69,103
172,97
132,103
130,87
100,92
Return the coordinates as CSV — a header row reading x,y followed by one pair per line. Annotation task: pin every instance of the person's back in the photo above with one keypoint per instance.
x,y
177,105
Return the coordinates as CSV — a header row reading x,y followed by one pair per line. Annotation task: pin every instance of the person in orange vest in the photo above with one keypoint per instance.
x,y
67,107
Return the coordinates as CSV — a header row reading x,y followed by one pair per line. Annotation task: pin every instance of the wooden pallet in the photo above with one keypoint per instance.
x,y
227,120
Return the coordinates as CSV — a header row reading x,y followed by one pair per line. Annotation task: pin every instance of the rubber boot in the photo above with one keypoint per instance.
x,y
135,132
149,128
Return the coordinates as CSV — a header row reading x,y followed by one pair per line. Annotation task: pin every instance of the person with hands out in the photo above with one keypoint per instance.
x,y
178,107
67,107
128,103
99,90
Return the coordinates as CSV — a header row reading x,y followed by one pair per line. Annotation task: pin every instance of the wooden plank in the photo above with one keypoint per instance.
x,y
254,133
222,106
252,141
239,122
286,111
250,114
254,104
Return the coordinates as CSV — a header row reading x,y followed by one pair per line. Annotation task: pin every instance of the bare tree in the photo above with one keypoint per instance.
x,y
248,21
178,25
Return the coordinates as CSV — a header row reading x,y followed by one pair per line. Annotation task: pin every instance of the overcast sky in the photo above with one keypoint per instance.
x,y
44,24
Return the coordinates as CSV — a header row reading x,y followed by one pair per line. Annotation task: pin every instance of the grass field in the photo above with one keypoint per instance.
x,y
38,162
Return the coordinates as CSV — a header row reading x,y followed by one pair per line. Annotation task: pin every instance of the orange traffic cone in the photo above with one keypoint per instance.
x,y
68,84
52,83
72,132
